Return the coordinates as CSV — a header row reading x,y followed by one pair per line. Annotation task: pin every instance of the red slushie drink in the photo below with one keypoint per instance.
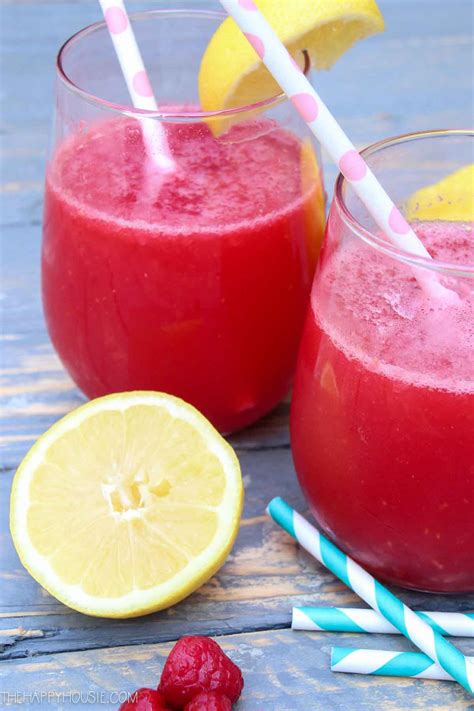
x,y
196,286
383,415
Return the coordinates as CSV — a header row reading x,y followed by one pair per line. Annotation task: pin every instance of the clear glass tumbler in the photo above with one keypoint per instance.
x,y
195,284
382,421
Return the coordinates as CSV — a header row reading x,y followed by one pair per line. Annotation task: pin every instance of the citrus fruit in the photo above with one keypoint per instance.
x,y
126,505
314,213
452,198
231,73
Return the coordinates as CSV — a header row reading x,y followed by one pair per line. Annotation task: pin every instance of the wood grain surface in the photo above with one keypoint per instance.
x,y
417,76
283,671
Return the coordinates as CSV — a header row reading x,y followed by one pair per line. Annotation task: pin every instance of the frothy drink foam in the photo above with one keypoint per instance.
x,y
380,316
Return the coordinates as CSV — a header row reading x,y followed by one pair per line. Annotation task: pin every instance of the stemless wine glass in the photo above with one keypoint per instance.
x,y
195,285
382,422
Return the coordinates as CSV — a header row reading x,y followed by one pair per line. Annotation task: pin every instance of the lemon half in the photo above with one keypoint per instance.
x,y
126,505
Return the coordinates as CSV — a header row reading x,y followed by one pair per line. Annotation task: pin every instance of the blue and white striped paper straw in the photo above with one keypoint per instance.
x,y
428,640
352,619
384,663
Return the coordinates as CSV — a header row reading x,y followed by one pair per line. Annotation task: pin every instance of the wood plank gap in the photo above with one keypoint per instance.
x,y
12,656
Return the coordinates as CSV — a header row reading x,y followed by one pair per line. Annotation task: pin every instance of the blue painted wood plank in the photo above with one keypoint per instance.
x,y
283,671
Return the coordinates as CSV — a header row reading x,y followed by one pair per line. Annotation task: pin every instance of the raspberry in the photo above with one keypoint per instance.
x,y
198,664
145,700
209,701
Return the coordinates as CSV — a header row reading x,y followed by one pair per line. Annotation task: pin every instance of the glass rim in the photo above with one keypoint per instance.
x,y
129,109
383,245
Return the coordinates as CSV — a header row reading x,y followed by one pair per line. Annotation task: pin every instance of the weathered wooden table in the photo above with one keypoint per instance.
x,y
417,76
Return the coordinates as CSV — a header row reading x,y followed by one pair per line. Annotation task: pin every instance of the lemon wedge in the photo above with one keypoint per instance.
x,y
451,199
315,210
231,73
126,505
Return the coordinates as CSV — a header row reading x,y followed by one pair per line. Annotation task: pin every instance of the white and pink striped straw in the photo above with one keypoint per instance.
x,y
138,83
328,132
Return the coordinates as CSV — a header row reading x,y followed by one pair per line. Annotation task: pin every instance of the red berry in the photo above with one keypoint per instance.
x,y
198,664
145,700
209,701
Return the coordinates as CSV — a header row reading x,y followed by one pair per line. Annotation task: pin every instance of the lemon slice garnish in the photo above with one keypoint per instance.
x,y
231,73
451,198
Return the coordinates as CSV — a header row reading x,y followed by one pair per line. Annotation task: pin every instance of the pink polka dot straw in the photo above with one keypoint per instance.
x,y
326,129
138,83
